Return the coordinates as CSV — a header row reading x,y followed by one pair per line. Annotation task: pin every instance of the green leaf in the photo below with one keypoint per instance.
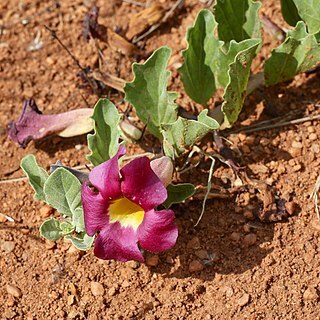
x,y
290,12
222,63
82,241
148,92
235,91
299,52
66,227
78,219
50,229
197,71
178,193
184,133
104,143
309,11
238,19
208,190
36,175
63,191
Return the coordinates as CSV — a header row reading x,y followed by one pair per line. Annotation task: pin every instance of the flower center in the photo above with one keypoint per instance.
x,y
126,213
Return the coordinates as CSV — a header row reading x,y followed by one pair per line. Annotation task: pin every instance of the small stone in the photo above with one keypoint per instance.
x,y
281,168
310,294
297,168
97,289
152,260
195,266
291,207
313,137
246,228
70,300
112,291
125,284
248,214
250,239
45,211
235,236
14,291
7,246
264,141
295,152
169,259
133,264
242,136
202,254
244,300
315,148
194,244
228,292
297,145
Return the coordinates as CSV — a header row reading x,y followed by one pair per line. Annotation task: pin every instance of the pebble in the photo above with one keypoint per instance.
x,y
315,148
14,291
194,244
297,167
310,294
202,254
313,137
250,239
195,266
297,145
291,207
7,246
228,292
45,211
70,300
152,260
169,259
248,214
244,300
97,289
246,228
112,291
235,236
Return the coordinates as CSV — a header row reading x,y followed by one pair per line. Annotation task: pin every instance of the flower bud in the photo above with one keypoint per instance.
x,y
130,130
163,168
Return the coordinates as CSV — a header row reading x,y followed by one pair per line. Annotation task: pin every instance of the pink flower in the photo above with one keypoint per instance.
x,y
122,211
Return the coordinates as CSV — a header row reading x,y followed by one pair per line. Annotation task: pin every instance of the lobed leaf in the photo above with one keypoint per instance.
x,y
235,91
309,11
178,193
50,229
148,92
238,19
37,176
183,133
225,59
197,70
104,142
299,52
63,191
82,241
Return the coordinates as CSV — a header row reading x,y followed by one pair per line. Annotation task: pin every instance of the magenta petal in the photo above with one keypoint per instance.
x,y
105,177
95,209
141,185
33,125
158,232
118,243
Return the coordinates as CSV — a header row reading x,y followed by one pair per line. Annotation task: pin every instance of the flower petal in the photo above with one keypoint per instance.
x,y
95,208
105,177
33,125
158,232
141,185
118,243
